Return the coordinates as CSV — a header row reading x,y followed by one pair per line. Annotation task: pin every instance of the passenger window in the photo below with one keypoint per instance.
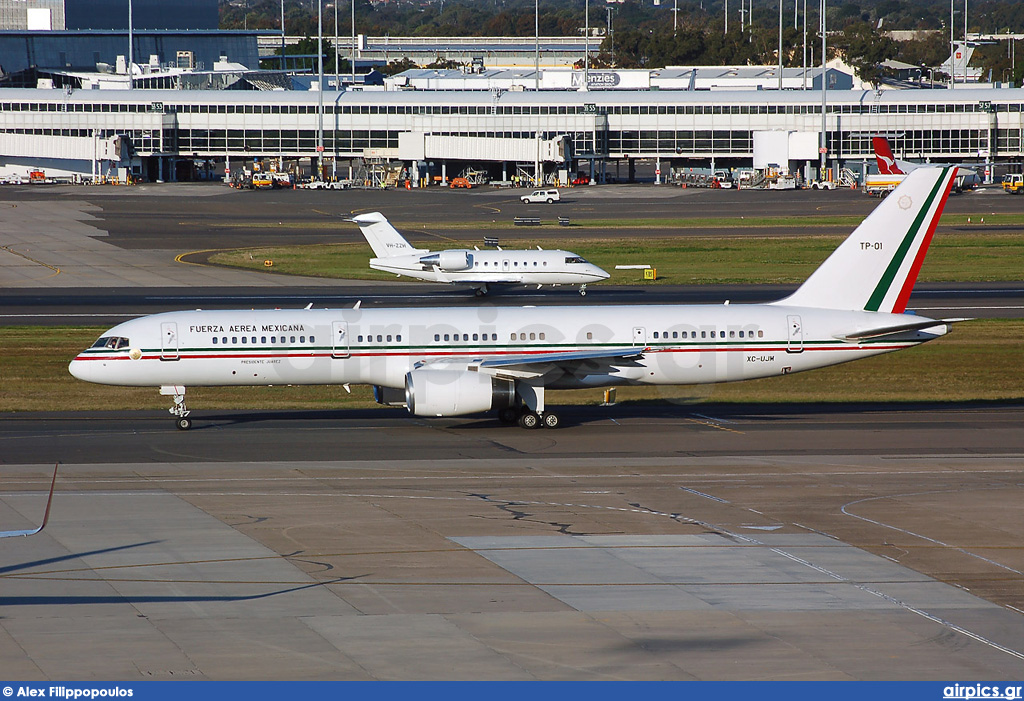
x,y
263,339
703,334
513,337
437,337
732,334
465,337
273,339
244,339
741,334
388,338
224,340
398,338
359,339
655,334
494,337
380,338
293,339
533,336
447,337
590,336
760,333
475,336
522,337
542,335
254,340
234,340
675,334
712,334
312,339
214,340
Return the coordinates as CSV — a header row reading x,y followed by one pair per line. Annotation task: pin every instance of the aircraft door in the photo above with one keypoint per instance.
x,y
169,341
339,332
639,336
795,341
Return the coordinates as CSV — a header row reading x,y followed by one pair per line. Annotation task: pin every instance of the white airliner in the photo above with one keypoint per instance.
x,y
477,268
892,171
456,361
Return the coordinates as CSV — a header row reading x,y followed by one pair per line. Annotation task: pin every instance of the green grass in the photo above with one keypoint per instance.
x,y
953,257
979,361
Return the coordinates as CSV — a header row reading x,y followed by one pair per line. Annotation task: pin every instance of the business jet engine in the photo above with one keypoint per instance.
x,y
448,260
444,392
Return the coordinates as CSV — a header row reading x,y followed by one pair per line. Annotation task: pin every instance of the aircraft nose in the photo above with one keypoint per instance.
x,y
600,273
83,369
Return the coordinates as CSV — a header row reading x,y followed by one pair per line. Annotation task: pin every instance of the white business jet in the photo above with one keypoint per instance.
x,y
456,361
480,269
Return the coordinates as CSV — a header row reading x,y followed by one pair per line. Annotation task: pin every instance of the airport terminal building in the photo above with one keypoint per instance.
x,y
564,130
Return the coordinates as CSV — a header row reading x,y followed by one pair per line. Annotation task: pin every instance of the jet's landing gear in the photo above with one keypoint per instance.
x,y
583,290
547,419
481,291
179,409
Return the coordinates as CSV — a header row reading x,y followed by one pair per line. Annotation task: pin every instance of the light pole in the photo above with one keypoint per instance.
x,y
337,68
320,89
965,42
952,48
284,66
353,48
131,49
780,43
805,44
586,45
536,44
823,149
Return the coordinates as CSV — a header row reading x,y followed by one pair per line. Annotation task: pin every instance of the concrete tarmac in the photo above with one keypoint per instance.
x,y
682,541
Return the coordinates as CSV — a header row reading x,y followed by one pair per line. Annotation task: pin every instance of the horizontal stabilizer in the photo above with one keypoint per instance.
x,y
882,331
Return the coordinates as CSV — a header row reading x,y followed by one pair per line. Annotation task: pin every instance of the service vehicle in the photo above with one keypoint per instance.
x,y
538,196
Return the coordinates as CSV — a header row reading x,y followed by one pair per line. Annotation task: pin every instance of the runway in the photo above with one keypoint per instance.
x,y
642,541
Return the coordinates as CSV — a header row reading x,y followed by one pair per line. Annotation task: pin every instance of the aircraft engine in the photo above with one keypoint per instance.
x,y
439,392
448,260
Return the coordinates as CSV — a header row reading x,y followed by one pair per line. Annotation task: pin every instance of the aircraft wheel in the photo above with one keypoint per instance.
x,y
529,420
583,292
184,423
551,420
508,415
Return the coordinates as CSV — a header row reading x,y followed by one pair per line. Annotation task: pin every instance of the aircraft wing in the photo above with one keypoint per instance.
x,y
527,365
882,331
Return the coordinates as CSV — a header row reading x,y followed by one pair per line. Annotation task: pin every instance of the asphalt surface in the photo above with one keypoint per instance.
x,y
669,541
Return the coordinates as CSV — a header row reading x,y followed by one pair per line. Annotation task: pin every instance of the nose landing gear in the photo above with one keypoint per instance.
x,y
179,409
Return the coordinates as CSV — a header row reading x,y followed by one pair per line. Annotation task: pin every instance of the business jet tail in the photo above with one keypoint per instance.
x,y
383,238
875,268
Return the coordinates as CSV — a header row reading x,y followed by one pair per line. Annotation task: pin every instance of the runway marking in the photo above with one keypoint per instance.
x,y
702,494
712,424
924,537
716,420
56,271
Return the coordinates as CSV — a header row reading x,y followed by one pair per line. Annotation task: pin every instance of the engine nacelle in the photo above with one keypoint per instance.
x,y
439,392
449,260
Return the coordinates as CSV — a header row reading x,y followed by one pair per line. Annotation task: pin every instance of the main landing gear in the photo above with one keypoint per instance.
x,y
179,409
529,419
481,291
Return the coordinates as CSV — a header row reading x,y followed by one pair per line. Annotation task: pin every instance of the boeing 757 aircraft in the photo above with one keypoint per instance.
x,y
477,268
456,361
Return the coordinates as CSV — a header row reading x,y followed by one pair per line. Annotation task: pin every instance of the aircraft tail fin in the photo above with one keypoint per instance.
x,y
883,156
875,268
383,238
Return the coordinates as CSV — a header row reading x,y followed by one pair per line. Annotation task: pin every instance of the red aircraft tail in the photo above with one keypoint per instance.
x,y
884,158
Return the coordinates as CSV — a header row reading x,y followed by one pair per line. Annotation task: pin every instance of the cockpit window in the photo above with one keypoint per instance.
x,y
111,342
574,259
